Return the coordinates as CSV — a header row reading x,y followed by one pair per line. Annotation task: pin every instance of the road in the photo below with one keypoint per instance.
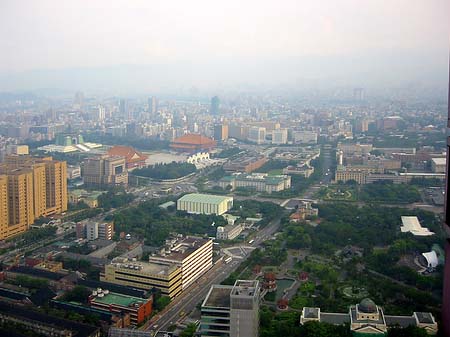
x,y
197,292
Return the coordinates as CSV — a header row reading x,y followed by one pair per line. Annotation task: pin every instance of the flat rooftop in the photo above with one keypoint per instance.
x,y
145,267
245,288
204,198
178,249
118,299
218,296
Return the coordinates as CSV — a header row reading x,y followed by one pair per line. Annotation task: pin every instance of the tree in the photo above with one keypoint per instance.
x,y
77,294
189,331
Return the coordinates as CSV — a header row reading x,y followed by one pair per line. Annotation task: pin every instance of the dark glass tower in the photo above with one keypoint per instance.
x,y
215,104
446,294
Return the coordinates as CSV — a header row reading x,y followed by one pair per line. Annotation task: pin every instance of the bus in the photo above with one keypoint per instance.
x,y
251,241
228,259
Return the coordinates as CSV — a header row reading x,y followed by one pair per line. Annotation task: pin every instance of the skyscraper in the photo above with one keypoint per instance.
x,y
215,105
153,105
123,108
446,292
220,132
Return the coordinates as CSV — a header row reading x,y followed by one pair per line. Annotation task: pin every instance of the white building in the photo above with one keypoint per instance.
x,y
438,165
196,203
229,232
92,231
279,136
194,255
257,134
412,225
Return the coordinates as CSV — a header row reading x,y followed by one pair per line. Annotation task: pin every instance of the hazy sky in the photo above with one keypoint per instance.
x,y
211,41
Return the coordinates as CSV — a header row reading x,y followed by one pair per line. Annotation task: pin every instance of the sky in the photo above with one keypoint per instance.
x,y
210,43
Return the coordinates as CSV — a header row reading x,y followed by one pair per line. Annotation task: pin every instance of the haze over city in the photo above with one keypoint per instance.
x,y
224,168
162,46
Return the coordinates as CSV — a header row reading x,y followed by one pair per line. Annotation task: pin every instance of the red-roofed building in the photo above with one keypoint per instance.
x,y
193,143
133,158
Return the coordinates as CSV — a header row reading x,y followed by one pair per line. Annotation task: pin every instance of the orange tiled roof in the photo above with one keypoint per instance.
x,y
130,154
195,139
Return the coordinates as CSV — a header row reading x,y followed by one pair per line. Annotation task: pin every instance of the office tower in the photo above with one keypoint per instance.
x,y
105,171
79,99
358,94
153,105
220,132
231,311
215,105
101,113
279,136
446,292
123,108
257,134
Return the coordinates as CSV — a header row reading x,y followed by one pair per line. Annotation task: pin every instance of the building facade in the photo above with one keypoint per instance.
x,y
261,182
105,171
204,204
231,311
30,188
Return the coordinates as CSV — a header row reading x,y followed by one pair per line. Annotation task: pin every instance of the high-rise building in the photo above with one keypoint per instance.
x,y
231,311
105,171
35,187
215,105
153,105
358,94
446,293
123,108
257,134
221,132
279,136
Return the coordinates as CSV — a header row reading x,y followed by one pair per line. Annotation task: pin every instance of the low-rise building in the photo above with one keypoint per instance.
x,y
204,203
228,232
438,165
301,170
248,164
139,309
366,318
261,182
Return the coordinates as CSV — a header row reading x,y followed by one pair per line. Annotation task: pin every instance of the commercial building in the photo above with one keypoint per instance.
x,y
30,188
192,143
228,232
105,171
305,137
144,275
257,134
133,158
18,150
366,318
139,309
231,311
220,132
204,204
248,164
279,136
261,182
178,264
192,254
